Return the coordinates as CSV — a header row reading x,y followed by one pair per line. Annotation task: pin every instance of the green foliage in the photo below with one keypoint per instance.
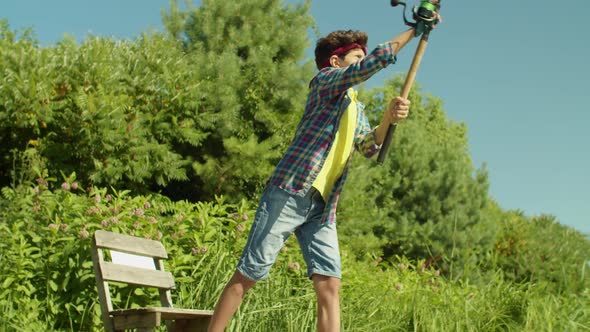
x,y
192,116
45,247
48,283
540,250
426,201
253,50
95,108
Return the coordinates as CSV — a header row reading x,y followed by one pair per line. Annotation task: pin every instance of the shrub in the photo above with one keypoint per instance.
x,y
45,235
541,250
427,200
194,116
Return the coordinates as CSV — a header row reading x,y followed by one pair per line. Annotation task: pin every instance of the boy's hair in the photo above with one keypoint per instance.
x,y
326,46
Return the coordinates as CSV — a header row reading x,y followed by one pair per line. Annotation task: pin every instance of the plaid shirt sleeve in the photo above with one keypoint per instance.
x,y
365,136
334,81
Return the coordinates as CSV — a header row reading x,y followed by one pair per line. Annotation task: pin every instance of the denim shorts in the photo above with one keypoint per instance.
x,y
281,214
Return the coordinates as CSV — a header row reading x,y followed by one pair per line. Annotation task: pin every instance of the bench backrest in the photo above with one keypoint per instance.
x,y
125,270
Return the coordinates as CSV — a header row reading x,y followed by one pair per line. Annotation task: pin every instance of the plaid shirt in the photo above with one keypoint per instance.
x,y
329,96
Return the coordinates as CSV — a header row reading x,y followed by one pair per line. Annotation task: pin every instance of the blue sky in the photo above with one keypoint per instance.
x,y
517,73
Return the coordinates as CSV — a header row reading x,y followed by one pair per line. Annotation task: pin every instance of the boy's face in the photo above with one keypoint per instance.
x,y
351,57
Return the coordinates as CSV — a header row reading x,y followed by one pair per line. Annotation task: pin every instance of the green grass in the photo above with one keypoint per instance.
x,y
390,299
47,283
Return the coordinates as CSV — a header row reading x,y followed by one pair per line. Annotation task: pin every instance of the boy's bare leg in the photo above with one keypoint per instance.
x,y
327,292
230,301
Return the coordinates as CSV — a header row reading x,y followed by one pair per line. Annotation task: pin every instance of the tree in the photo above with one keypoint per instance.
x,y
206,110
248,55
426,200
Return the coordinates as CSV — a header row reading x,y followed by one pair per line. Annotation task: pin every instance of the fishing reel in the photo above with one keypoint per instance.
x,y
425,15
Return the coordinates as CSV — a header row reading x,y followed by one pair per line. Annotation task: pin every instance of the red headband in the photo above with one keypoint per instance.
x,y
341,50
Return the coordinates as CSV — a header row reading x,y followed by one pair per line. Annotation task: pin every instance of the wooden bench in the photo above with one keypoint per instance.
x,y
146,269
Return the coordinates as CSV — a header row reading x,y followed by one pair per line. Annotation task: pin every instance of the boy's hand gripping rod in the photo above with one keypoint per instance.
x,y
426,17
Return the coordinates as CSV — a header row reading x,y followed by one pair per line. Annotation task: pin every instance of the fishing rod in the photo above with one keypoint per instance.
x,y
425,18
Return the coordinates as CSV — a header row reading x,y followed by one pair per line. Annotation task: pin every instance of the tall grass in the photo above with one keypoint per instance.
x,y
373,298
47,283
390,298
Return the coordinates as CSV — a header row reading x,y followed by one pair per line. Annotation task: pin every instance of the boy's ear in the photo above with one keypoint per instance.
x,y
335,61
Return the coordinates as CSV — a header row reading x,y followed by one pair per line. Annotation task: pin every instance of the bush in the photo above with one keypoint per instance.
x,y
48,283
45,234
427,200
193,118
541,250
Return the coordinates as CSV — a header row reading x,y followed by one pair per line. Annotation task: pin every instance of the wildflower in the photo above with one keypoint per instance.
x,y
138,212
36,207
97,199
146,205
240,228
75,186
105,223
174,236
153,220
115,209
179,217
108,197
437,273
93,210
284,249
53,227
83,234
294,265
377,261
114,220
159,235
399,286
136,225
36,190
203,250
244,217
65,186
402,266
194,250
64,227
42,182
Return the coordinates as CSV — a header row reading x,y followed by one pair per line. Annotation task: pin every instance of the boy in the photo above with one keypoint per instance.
x,y
302,193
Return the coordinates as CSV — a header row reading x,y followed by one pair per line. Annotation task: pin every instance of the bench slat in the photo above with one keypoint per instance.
x,y
146,320
130,244
137,276
190,320
167,313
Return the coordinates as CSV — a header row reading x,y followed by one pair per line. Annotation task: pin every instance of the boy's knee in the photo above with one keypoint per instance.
x,y
240,285
326,288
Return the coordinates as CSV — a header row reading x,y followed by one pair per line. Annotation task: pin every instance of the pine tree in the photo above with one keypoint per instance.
x,y
247,56
426,201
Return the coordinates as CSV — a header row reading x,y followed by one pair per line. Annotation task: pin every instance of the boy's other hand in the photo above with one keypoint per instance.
x,y
398,109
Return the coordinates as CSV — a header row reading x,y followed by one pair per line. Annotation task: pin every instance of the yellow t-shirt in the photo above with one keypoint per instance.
x,y
341,149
